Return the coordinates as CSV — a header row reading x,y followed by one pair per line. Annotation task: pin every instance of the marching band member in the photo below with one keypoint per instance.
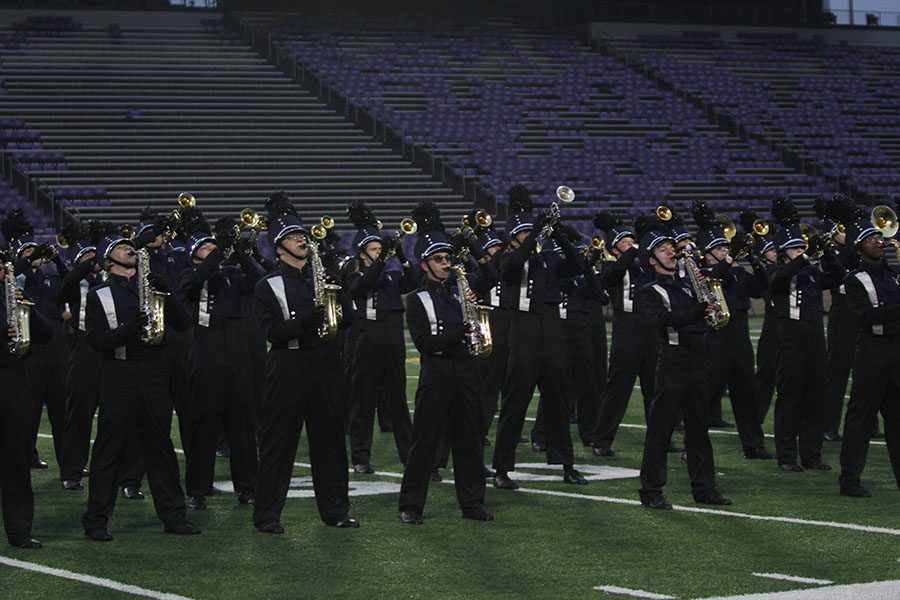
x,y
671,305
221,383
447,401
16,416
133,392
536,343
303,371
633,348
796,287
85,363
375,282
873,294
730,350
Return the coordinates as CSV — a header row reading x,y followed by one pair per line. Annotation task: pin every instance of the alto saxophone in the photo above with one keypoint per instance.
x,y
325,293
707,290
18,316
475,316
151,301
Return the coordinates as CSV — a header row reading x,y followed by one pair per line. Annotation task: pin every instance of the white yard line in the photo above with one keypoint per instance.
x,y
793,578
613,589
876,590
90,580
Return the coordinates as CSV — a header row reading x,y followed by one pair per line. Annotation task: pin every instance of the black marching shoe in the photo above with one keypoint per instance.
x,y
714,498
272,527
790,467
503,482
487,472
817,465
656,502
410,517
248,498
574,477
28,543
98,535
833,436
539,446
132,493
346,523
758,454
363,469
196,502
70,485
857,490
182,528
37,463
435,475
478,515
603,451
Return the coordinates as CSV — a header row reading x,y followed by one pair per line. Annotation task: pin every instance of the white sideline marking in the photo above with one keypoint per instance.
x,y
612,589
876,590
90,579
793,578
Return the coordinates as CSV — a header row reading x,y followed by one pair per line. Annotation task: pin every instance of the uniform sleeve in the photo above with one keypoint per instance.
x,y
484,278
177,316
859,303
613,272
192,279
512,263
361,285
41,330
573,264
271,320
655,307
780,277
420,329
251,272
833,273
69,289
757,280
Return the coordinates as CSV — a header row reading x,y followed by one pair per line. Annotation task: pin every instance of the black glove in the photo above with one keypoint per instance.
x,y
243,246
159,283
829,256
755,262
476,250
313,319
541,221
42,251
401,255
159,225
226,239
815,245
136,325
738,245
388,243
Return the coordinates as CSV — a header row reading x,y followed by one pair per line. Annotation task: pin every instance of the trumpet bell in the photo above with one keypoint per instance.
x,y
186,200
250,217
598,243
61,241
807,232
127,231
327,222
884,219
483,218
565,193
760,227
408,226
318,231
727,224
664,213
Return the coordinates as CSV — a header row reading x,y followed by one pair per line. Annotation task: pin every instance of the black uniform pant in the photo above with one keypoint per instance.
x,y
800,378
379,367
134,396
16,415
447,407
221,394
633,352
579,383
680,376
177,352
876,387
536,359
47,367
766,363
842,333
597,327
301,387
493,368
731,364
82,399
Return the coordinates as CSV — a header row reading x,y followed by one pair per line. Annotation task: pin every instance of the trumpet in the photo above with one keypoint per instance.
x,y
251,218
598,247
320,229
884,219
186,200
760,227
127,231
407,227
61,241
663,213
565,194
482,220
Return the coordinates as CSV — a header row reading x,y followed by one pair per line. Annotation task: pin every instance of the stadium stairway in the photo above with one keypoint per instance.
x,y
145,114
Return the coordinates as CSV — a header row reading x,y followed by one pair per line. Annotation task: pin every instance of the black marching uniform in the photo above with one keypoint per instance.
x,y
302,385
222,391
682,371
83,378
447,401
379,356
843,329
16,417
492,368
633,349
796,288
873,294
134,397
766,354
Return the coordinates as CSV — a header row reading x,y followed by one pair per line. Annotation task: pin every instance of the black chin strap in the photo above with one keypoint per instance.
x,y
294,255
121,264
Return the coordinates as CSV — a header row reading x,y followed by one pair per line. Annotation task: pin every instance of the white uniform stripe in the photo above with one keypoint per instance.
x,y
371,311
428,305
83,288
277,285
866,280
673,333
524,300
109,307
627,302
203,306
793,303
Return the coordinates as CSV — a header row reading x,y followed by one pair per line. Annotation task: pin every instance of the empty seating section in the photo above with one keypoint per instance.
x,y
833,103
132,117
524,103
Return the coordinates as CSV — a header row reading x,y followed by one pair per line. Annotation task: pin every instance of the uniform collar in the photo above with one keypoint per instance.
x,y
665,279
122,281
875,269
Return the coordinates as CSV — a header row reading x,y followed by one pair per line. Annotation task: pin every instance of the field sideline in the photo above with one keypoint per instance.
x,y
784,532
